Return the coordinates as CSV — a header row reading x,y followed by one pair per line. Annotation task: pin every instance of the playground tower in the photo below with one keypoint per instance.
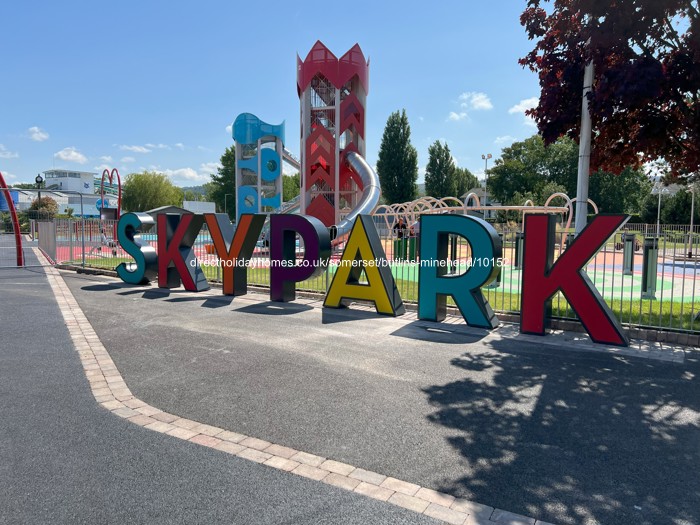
x,y
259,153
332,94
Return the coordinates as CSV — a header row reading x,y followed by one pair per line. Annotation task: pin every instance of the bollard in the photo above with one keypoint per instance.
x,y
627,253
518,259
649,267
453,254
412,249
569,240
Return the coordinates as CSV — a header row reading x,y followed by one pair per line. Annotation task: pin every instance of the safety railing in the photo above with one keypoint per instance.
x,y
647,281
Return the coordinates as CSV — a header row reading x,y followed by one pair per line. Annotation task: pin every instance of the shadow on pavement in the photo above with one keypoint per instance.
x,y
275,308
576,440
437,333
342,315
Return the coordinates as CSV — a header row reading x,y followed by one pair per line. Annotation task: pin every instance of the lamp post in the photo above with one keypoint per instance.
x,y
486,158
692,216
226,196
659,190
39,179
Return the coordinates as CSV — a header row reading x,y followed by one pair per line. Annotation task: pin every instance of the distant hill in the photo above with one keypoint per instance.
x,y
199,190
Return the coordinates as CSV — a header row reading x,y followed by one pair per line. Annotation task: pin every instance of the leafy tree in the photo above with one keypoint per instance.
x,y
190,195
645,97
44,208
148,190
397,164
465,180
291,186
523,167
676,209
224,183
624,193
25,185
440,172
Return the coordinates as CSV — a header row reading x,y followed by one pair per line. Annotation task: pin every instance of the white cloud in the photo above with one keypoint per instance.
x,y
37,134
106,158
456,117
185,174
9,176
475,100
157,146
180,146
504,140
6,154
71,155
522,107
203,148
135,149
102,167
126,160
229,129
209,167
421,119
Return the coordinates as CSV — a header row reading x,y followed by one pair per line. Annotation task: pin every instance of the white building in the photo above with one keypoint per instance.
x,y
66,180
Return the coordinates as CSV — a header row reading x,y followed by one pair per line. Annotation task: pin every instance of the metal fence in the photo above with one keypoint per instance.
x,y
646,282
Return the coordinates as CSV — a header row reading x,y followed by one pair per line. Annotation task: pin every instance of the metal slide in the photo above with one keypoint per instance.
x,y
371,191
368,201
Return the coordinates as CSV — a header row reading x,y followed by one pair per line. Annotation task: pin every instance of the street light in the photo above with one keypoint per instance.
x,y
226,202
659,190
486,158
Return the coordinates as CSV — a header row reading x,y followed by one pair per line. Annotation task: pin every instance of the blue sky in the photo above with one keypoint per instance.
x,y
153,85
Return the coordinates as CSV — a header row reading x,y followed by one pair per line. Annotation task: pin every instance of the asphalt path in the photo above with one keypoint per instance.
x,y
64,459
564,436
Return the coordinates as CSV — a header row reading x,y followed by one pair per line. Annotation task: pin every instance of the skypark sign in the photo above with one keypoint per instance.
x,y
175,264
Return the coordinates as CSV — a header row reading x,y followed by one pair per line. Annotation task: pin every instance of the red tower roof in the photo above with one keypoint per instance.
x,y
338,71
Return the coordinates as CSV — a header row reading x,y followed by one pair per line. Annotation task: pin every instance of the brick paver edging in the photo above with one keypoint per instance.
x,y
110,391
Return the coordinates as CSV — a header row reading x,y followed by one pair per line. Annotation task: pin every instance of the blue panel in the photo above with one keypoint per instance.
x,y
14,195
247,129
251,164
245,192
270,165
274,202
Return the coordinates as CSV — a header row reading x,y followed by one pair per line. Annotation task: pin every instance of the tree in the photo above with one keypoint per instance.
x,y
645,98
291,186
440,172
148,190
44,208
223,183
531,168
465,180
522,168
397,164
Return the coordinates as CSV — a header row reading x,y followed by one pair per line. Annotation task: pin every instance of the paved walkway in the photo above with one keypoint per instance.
x,y
507,423
65,459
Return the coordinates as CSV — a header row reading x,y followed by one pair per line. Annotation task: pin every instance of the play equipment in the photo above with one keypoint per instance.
x,y
337,184
107,213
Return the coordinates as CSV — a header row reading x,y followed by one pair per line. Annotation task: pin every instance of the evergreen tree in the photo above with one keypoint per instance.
x,y
397,165
223,183
440,172
465,180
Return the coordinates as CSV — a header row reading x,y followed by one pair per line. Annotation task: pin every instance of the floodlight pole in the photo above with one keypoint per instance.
x,y
584,153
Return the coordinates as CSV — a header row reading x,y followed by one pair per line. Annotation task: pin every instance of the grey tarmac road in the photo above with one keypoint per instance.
x,y
565,436
65,460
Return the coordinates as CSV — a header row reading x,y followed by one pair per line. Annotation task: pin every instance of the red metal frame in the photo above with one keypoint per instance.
x,y
110,178
15,221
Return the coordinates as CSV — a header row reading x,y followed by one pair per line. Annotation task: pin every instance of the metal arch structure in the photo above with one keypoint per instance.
x,y
110,178
432,205
15,221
